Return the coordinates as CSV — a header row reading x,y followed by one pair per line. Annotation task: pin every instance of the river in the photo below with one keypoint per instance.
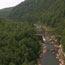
x,y
49,58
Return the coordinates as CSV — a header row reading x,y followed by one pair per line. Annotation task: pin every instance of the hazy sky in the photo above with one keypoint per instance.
x,y
9,3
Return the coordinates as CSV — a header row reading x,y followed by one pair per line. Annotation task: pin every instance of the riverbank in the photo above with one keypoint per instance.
x,y
53,43
44,51
48,57
60,55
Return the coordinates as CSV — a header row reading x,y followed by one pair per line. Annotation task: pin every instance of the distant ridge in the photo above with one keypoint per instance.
x,y
48,12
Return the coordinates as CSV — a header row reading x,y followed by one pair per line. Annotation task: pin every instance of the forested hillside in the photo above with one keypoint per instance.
x,y
5,12
31,10
19,36
48,12
18,44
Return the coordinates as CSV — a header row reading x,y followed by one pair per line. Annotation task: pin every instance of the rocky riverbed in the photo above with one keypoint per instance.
x,y
53,41
52,46
59,55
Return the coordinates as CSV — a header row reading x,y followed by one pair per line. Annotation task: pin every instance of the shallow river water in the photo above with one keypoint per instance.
x,y
50,58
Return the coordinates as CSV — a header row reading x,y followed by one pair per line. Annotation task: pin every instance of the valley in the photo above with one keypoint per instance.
x,y
32,30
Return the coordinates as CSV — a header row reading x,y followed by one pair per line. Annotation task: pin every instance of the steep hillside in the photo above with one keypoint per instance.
x,y
48,12
55,14
5,12
31,10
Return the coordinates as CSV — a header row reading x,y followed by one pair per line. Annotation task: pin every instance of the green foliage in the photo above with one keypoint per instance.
x,y
46,12
63,39
18,44
5,12
31,10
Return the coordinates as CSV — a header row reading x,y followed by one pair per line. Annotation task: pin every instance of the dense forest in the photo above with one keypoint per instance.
x,y
18,44
5,12
16,37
